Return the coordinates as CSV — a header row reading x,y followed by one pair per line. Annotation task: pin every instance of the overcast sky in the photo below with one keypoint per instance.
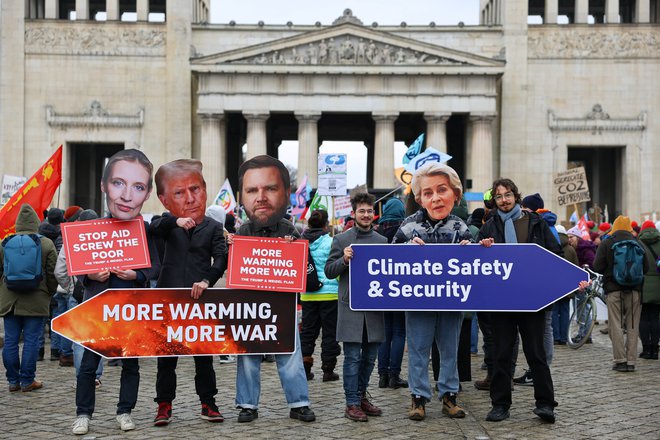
x,y
385,12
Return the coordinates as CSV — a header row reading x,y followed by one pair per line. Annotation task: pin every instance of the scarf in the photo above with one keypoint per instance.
x,y
509,228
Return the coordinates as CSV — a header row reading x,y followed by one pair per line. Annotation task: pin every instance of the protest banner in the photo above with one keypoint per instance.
x,y
98,245
343,206
10,184
332,175
571,187
504,277
168,322
267,263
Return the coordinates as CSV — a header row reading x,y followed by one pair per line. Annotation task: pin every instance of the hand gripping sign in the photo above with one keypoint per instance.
x,y
504,277
168,322
96,245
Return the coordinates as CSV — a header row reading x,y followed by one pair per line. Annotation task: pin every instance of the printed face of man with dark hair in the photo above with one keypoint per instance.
x,y
264,196
185,195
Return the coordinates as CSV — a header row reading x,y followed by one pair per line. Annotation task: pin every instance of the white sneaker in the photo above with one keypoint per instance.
x,y
125,422
81,425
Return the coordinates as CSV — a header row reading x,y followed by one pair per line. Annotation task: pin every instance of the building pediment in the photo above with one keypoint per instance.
x,y
346,45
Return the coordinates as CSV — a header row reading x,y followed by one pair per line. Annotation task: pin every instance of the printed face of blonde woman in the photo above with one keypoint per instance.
x,y
127,188
436,196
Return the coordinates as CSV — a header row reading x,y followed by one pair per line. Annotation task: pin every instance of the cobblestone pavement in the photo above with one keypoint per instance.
x,y
594,402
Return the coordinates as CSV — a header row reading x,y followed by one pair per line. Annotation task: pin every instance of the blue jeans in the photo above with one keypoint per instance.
x,y
474,335
359,360
78,351
422,328
58,342
390,352
22,371
561,314
548,339
292,377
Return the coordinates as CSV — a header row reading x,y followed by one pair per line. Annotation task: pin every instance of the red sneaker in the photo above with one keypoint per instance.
x,y
211,413
164,414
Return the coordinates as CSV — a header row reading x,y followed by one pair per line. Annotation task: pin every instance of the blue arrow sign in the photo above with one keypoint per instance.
x,y
504,277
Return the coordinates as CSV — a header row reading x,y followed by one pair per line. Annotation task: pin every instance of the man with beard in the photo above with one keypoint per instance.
x,y
264,186
195,257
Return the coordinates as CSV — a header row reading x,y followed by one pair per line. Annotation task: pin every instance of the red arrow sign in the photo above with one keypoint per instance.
x,y
168,322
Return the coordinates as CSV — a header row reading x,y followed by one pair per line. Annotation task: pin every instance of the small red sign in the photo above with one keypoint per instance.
x,y
259,263
98,245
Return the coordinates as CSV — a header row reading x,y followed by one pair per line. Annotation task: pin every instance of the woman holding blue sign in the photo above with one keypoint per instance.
x,y
437,188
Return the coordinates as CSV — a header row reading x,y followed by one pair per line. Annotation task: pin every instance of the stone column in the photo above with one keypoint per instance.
x,y
142,10
308,147
82,9
642,11
52,9
256,134
384,151
481,151
112,10
436,130
581,11
611,11
551,11
213,152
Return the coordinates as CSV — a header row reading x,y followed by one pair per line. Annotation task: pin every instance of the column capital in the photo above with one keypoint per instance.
x,y
311,117
482,117
210,115
384,117
256,116
437,116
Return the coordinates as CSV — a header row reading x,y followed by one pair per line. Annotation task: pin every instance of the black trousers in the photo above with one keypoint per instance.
x,y
317,315
205,385
505,326
486,326
649,324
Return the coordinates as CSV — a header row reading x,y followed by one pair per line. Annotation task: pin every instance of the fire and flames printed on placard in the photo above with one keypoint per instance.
x,y
168,322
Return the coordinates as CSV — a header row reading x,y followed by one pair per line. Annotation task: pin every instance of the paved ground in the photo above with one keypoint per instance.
x,y
594,402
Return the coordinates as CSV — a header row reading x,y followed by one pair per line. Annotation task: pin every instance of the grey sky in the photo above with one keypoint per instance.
x,y
385,12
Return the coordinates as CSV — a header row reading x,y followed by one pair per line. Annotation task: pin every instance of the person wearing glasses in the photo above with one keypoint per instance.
x,y
511,224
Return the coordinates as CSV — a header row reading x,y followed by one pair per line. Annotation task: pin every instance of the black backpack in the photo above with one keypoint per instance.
x,y
313,283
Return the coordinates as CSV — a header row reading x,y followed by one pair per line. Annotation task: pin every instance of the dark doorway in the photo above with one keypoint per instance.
x,y
87,162
603,166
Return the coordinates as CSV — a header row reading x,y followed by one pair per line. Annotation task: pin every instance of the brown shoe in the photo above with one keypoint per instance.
x,y
355,413
417,408
14,387
66,361
35,385
450,407
369,408
483,385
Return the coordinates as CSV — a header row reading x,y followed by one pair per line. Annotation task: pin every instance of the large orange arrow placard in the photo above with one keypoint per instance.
x,y
168,322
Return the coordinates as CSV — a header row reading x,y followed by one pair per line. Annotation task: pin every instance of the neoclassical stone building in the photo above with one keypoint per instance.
x,y
536,87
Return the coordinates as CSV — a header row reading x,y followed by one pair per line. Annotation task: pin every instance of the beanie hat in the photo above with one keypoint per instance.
x,y
622,223
533,202
55,216
591,224
574,231
648,224
560,229
72,212
217,213
604,227
87,214
634,224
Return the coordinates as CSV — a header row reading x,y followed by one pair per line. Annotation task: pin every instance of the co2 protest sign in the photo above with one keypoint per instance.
x,y
168,322
504,277
571,187
262,263
97,245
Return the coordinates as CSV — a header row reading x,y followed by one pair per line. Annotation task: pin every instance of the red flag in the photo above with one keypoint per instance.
x,y
582,224
37,192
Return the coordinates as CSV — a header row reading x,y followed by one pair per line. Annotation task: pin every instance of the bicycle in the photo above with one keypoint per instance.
x,y
584,313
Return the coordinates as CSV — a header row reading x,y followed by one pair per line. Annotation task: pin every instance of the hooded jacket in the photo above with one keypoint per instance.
x,y
650,239
319,247
393,214
37,302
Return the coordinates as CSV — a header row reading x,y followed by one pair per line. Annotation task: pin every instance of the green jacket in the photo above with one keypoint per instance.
x,y
37,302
650,239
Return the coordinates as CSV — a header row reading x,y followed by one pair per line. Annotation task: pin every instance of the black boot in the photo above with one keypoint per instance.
x,y
308,361
654,352
328,368
41,354
384,381
646,352
396,382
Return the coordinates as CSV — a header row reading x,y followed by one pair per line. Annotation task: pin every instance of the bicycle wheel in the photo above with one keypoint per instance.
x,y
582,321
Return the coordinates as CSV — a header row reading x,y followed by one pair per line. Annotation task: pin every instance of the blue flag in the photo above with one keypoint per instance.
x,y
414,149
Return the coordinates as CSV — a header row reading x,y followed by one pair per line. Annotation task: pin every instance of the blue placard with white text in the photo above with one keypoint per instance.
x,y
504,277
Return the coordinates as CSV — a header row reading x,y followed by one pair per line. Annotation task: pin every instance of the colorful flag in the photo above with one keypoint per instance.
x,y
225,197
300,197
429,155
37,192
318,202
414,149
584,229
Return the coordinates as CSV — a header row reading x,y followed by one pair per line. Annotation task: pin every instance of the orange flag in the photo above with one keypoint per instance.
x,y
38,192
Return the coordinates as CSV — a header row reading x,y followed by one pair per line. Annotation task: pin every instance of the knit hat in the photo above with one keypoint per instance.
x,y
622,223
72,212
87,214
217,213
590,224
533,202
560,229
604,227
634,224
55,216
574,231
648,224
